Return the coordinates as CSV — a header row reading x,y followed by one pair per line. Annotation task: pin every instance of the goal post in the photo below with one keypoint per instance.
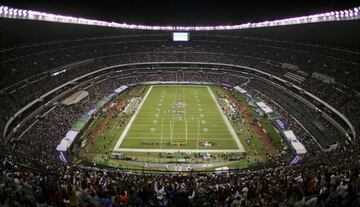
x,y
171,141
186,133
175,141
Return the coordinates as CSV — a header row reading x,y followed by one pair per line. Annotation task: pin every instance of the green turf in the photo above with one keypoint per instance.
x,y
106,140
178,114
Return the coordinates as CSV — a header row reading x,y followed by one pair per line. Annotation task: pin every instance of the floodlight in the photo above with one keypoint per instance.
x,y
42,16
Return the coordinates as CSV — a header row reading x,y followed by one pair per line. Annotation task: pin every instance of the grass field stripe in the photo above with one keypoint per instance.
x,y
231,129
168,138
178,126
122,136
184,101
186,134
198,135
178,150
162,127
165,138
133,134
170,132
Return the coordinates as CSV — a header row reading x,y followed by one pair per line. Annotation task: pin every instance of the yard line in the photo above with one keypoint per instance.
x,y
206,118
186,134
184,100
212,125
198,135
146,134
152,117
165,138
227,123
170,132
179,150
162,126
122,136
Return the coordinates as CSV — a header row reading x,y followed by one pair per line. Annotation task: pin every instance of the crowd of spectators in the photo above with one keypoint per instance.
x,y
261,54
44,132
302,134
325,133
164,52
32,176
339,96
322,180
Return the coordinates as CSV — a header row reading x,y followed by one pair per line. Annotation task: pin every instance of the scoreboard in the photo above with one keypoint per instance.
x,y
181,36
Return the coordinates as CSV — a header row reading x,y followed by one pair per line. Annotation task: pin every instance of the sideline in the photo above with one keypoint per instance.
x,y
227,123
177,150
127,128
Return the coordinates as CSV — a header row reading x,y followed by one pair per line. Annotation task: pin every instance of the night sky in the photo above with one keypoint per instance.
x,y
178,12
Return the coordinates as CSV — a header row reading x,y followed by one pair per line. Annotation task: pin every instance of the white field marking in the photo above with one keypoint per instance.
x,y
228,124
170,96
193,112
193,138
198,136
145,121
170,132
151,117
186,132
156,106
181,150
127,128
178,150
162,128
145,133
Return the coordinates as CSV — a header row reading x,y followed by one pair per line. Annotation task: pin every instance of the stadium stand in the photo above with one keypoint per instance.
x,y
35,77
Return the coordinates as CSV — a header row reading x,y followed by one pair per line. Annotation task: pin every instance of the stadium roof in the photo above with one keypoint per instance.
x,y
184,12
329,16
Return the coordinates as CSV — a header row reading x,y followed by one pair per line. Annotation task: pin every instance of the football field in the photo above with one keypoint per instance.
x,y
178,119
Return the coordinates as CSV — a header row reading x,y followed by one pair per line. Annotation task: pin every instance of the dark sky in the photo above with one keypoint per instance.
x,y
183,12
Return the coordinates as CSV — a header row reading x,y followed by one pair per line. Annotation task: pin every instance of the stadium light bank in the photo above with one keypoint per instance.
x,y
343,15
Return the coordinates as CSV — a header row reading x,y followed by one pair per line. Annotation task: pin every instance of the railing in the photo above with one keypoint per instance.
x,y
145,170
